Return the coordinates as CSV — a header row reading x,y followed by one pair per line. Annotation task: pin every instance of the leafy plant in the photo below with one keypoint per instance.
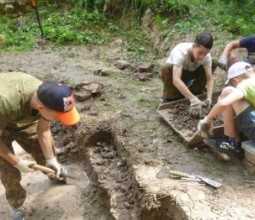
x,y
85,23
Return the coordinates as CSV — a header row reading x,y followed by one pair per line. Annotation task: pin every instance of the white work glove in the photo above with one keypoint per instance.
x,y
223,62
205,128
53,163
207,103
195,108
24,165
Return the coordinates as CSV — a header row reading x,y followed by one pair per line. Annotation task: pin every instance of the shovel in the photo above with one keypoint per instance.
x,y
78,178
186,176
42,41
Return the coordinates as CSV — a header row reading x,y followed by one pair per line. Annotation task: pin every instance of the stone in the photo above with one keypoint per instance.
x,y
82,95
122,64
144,67
94,88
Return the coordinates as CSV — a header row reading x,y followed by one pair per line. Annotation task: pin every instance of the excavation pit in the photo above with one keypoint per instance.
x,y
111,169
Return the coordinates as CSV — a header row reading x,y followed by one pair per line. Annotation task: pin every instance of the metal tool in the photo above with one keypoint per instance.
x,y
185,176
33,4
78,178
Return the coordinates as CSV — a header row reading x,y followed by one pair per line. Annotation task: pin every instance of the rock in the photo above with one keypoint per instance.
x,y
81,85
122,64
94,88
82,95
144,67
144,76
87,90
98,72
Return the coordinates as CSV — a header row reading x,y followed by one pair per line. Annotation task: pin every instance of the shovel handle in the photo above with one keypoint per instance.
x,y
43,168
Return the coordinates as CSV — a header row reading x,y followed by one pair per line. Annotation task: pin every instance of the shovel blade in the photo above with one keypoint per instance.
x,y
73,174
76,176
210,182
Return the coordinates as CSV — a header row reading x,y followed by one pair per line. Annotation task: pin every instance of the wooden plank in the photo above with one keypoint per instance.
x,y
163,111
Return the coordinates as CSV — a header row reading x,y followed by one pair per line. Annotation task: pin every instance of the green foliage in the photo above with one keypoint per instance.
x,y
164,7
89,5
76,26
19,33
219,16
84,22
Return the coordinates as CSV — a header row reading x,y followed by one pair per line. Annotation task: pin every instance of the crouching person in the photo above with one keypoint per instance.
x,y
237,106
25,99
188,72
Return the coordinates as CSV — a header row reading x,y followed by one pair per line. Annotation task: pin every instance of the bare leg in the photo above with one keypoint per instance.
x,y
228,115
230,129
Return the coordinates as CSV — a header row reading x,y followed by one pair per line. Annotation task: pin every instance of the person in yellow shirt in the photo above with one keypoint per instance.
x,y
236,104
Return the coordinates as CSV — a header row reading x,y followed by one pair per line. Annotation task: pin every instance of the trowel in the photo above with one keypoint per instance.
x,y
185,176
78,177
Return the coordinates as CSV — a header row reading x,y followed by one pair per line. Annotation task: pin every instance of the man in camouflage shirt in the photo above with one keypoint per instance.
x,y
25,100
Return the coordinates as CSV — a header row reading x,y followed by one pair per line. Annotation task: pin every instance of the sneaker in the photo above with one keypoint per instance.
x,y
226,145
17,214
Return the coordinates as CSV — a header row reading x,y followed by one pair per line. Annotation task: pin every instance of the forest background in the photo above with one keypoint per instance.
x,y
97,22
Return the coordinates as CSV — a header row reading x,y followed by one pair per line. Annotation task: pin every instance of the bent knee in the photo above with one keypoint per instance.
x,y
227,90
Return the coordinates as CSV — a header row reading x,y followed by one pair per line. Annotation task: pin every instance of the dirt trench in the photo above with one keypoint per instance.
x,y
110,169
113,192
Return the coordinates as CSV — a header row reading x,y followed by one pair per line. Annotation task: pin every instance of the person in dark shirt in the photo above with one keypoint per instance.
x,y
227,58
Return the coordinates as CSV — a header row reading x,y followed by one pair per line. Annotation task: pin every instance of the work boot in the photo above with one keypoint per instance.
x,y
17,214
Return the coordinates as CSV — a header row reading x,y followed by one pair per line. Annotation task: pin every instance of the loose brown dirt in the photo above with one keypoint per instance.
x,y
183,122
126,149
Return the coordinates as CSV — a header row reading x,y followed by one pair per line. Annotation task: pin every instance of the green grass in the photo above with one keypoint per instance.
x,y
84,23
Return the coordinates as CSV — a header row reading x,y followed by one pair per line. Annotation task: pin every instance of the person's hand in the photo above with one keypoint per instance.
x,y
24,165
205,128
207,103
53,163
195,108
223,62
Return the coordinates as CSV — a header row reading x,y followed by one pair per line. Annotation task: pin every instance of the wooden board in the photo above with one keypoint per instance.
x,y
191,141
